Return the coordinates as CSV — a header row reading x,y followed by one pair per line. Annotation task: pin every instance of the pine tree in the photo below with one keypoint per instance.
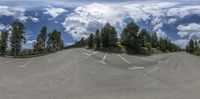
x,y
187,48
62,44
54,41
90,41
144,37
82,42
191,46
130,39
196,46
43,36
108,36
154,40
17,37
97,39
3,42
40,44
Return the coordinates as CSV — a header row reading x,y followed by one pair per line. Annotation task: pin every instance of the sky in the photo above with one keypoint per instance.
x,y
177,20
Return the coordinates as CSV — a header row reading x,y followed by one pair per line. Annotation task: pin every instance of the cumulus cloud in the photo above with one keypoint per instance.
x,y
16,12
34,19
181,42
172,20
192,29
4,27
54,12
161,34
98,14
28,44
183,11
95,15
195,36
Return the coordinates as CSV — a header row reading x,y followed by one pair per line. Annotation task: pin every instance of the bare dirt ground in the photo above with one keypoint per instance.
x,y
86,74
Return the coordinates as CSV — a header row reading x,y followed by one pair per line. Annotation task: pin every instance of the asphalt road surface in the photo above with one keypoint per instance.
x,y
86,74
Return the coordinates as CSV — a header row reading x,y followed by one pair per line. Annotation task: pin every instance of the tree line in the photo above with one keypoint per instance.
x,y
46,42
133,40
193,47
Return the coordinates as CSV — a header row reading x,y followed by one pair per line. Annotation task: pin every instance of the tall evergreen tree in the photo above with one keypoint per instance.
x,y
43,35
62,44
90,41
162,44
40,44
130,39
191,46
17,37
108,36
154,40
196,46
54,41
187,48
97,39
144,37
82,42
3,42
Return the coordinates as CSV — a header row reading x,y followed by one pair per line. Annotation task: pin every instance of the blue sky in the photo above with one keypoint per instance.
x,y
178,20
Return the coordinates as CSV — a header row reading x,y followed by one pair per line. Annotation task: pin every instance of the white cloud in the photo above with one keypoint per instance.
x,y
158,26
79,22
28,44
192,29
34,19
54,12
183,11
68,44
181,42
195,36
4,27
16,12
161,34
172,20
116,14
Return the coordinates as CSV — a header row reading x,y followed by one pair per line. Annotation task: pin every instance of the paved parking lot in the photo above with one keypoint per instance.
x,y
87,74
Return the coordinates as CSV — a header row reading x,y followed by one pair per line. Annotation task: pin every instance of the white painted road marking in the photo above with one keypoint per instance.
x,y
124,59
87,54
49,60
153,70
90,54
23,66
104,59
95,52
135,67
